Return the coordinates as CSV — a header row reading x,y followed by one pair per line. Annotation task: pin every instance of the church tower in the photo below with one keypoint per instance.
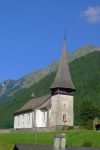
x,y
62,91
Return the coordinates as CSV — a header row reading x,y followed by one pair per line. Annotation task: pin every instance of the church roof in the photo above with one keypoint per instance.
x,y
32,147
48,147
63,77
33,104
46,104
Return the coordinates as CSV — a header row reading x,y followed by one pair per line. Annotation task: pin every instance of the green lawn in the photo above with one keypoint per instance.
x,y
74,138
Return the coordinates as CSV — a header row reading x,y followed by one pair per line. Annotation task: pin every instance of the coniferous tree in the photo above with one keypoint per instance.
x,y
88,112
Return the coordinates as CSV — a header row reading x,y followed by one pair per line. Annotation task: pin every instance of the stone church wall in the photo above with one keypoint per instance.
x,y
61,110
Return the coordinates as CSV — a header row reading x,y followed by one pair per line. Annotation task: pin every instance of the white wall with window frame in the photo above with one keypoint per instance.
x,y
24,120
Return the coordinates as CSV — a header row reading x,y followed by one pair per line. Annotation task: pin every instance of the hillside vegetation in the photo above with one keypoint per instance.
x,y
85,72
11,87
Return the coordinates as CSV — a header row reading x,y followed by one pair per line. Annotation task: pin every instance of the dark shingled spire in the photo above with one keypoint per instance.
x,y
63,83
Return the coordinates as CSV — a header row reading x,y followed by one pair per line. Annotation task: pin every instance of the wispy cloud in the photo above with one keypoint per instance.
x,y
92,14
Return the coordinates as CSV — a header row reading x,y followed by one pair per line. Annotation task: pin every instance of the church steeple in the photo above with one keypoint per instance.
x,y
63,83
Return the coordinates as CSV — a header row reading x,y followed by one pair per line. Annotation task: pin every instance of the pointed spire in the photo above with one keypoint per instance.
x,y
65,44
63,78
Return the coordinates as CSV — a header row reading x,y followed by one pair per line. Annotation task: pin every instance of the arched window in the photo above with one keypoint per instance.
x,y
64,118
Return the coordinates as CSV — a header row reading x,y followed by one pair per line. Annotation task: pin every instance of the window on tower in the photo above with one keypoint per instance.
x,y
64,118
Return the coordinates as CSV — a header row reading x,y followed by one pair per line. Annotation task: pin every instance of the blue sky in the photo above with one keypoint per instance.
x,y
31,32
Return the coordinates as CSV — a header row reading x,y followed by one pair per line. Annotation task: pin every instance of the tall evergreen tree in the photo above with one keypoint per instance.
x,y
88,112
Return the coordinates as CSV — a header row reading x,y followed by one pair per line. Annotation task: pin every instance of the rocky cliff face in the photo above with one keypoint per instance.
x,y
13,86
6,85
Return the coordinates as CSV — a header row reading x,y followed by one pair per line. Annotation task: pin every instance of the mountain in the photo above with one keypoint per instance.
x,y
7,85
11,87
83,51
85,72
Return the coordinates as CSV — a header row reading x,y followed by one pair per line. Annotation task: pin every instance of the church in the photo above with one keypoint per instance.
x,y
51,110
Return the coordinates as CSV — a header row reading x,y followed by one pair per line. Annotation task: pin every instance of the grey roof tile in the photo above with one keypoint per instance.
x,y
33,103
48,147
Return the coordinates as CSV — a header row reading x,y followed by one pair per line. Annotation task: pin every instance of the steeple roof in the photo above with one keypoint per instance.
x,y
63,77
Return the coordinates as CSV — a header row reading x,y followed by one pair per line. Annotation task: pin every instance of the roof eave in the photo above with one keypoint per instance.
x,y
24,111
54,87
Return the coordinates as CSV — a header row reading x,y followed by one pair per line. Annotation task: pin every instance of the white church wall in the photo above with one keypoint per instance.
x,y
23,120
41,118
62,110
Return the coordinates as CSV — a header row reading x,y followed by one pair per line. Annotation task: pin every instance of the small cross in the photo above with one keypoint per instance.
x,y
65,31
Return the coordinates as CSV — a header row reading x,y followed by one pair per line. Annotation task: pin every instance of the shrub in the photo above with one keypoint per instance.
x,y
87,124
87,143
70,128
67,127
64,127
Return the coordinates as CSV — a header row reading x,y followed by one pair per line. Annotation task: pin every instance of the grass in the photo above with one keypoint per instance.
x,y
74,138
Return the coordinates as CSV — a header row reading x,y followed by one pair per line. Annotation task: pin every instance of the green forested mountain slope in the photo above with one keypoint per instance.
x,y
12,87
83,51
85,72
